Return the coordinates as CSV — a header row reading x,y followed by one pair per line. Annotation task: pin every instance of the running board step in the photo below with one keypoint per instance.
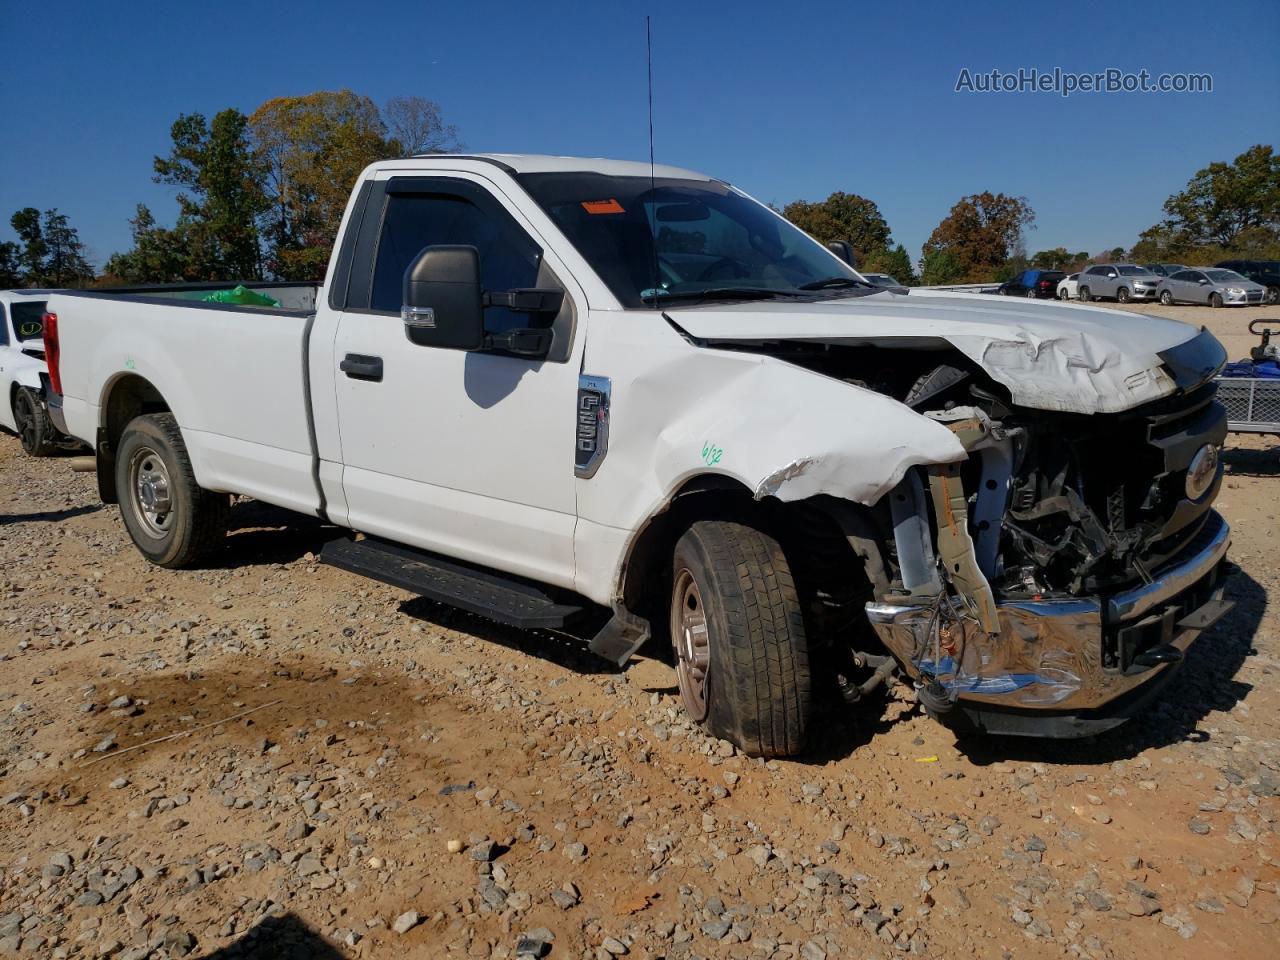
x,y
501,597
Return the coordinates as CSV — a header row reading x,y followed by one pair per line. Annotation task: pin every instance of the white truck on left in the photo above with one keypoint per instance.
x,y
24,375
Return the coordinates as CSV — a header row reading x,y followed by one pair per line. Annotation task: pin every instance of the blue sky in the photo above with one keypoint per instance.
x,y
787,100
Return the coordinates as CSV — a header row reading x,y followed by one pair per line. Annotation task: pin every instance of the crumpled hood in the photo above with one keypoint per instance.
x,y
1067,357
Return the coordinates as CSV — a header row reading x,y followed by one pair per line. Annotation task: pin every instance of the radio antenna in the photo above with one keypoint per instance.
x,y
653,233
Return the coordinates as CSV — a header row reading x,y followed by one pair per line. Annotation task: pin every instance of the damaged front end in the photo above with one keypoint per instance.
x,y
1072,561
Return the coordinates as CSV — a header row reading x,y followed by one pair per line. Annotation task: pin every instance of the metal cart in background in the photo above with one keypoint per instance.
x,y
1253,403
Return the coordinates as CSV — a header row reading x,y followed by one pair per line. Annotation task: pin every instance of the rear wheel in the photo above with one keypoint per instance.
x,y
1122,295
1084,296
1215,299
173,522
36,432
1166,298
1031,294
1063,295
742,657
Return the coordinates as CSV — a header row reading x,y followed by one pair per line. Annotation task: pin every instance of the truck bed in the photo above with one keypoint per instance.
x,y
236,378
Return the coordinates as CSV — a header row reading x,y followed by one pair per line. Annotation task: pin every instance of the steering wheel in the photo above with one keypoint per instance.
x,y
739,268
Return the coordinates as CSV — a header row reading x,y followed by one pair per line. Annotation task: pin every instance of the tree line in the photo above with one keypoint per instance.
x,y
1228,209
260,196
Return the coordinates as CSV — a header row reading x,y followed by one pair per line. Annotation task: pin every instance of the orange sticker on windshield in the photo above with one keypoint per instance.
x,y
602,206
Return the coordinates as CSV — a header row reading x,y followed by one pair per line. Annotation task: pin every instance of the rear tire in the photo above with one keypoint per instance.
x,y
1063,295
34,429
1166,298
1031,294
1215,300
173,522
742,657
1083,295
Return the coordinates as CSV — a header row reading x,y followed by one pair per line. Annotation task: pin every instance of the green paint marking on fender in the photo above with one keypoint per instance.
x,y
711,454
129,364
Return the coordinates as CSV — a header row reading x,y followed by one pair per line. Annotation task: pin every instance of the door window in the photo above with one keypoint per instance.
x,y
4,328
508,256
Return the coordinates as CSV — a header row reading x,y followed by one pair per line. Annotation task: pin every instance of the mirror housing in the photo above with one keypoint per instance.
x,y
443,305
1202,280
844,250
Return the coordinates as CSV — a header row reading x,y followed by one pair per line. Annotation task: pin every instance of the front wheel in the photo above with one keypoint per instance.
x,y
36,432
1122,295
1215,300
1273,295
173,522
1166,298
742,658
1063,295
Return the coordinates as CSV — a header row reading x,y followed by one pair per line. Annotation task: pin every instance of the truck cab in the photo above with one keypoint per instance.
x,y
633,401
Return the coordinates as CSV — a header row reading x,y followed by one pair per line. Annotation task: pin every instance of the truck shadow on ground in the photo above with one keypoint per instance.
x,y
1241,462
563,649
1206,683
48,516
278,938
261,534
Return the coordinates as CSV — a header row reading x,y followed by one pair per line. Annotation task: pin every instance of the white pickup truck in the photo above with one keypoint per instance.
x,y
599,397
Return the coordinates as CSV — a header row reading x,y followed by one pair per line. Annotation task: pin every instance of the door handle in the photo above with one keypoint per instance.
x,y
357,366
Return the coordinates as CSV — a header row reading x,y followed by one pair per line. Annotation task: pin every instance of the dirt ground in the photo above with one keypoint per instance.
x,y
363,774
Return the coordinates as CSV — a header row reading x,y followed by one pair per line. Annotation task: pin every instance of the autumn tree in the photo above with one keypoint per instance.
x,y
416,126
842,216
312,149
980,233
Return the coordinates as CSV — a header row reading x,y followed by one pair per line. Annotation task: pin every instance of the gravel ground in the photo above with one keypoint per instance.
x,y
351,772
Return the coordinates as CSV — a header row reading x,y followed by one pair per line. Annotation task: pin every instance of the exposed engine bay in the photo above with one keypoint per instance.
x,y
1058,504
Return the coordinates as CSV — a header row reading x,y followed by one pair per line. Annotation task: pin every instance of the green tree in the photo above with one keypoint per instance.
x,y
313,148
221,196
1225,200
159,255
980,233
10,272
842,216
939,267
1056,259
896,263
50,254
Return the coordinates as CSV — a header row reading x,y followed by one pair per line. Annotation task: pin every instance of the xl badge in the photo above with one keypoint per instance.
x,y
592,438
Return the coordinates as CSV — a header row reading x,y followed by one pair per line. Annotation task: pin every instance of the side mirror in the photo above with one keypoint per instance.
x,y
844,250
443,302
1112,275
1202,280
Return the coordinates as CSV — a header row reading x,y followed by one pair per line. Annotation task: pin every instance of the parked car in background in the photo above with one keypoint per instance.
x,y
1069,287
1217,288
1042,284
1266,273
881,279
1164,269
23,372
1119,281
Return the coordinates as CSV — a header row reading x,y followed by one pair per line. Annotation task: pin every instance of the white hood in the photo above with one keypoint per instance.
x,y
1067,357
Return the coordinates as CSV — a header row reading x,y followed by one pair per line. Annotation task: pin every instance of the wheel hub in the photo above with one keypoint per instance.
x,y
153,503
692,645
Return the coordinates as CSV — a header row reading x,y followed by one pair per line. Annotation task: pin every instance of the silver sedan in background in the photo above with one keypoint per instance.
x,y
1212,285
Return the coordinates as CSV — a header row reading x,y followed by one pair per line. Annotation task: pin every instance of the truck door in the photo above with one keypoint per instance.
x,y
466,454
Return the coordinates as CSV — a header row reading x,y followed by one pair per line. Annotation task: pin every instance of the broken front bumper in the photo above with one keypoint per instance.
x,y
1066,667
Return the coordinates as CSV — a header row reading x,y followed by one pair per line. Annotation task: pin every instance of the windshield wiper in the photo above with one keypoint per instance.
x,y
834,282
719,293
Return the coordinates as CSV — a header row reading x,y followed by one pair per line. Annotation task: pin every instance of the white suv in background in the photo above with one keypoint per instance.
x,y
1119,281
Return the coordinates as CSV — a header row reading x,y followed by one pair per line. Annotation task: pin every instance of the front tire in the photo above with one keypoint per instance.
x,y
1122,295
34,429
1215,300
1166,298
172,521
1273,295
742,657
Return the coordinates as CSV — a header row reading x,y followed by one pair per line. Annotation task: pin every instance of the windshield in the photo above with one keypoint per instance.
x,y
1135,272
28,319
1222,276
667,239
1173,267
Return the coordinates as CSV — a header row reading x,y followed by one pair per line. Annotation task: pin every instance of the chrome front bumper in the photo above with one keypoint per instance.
x,y
1068,655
